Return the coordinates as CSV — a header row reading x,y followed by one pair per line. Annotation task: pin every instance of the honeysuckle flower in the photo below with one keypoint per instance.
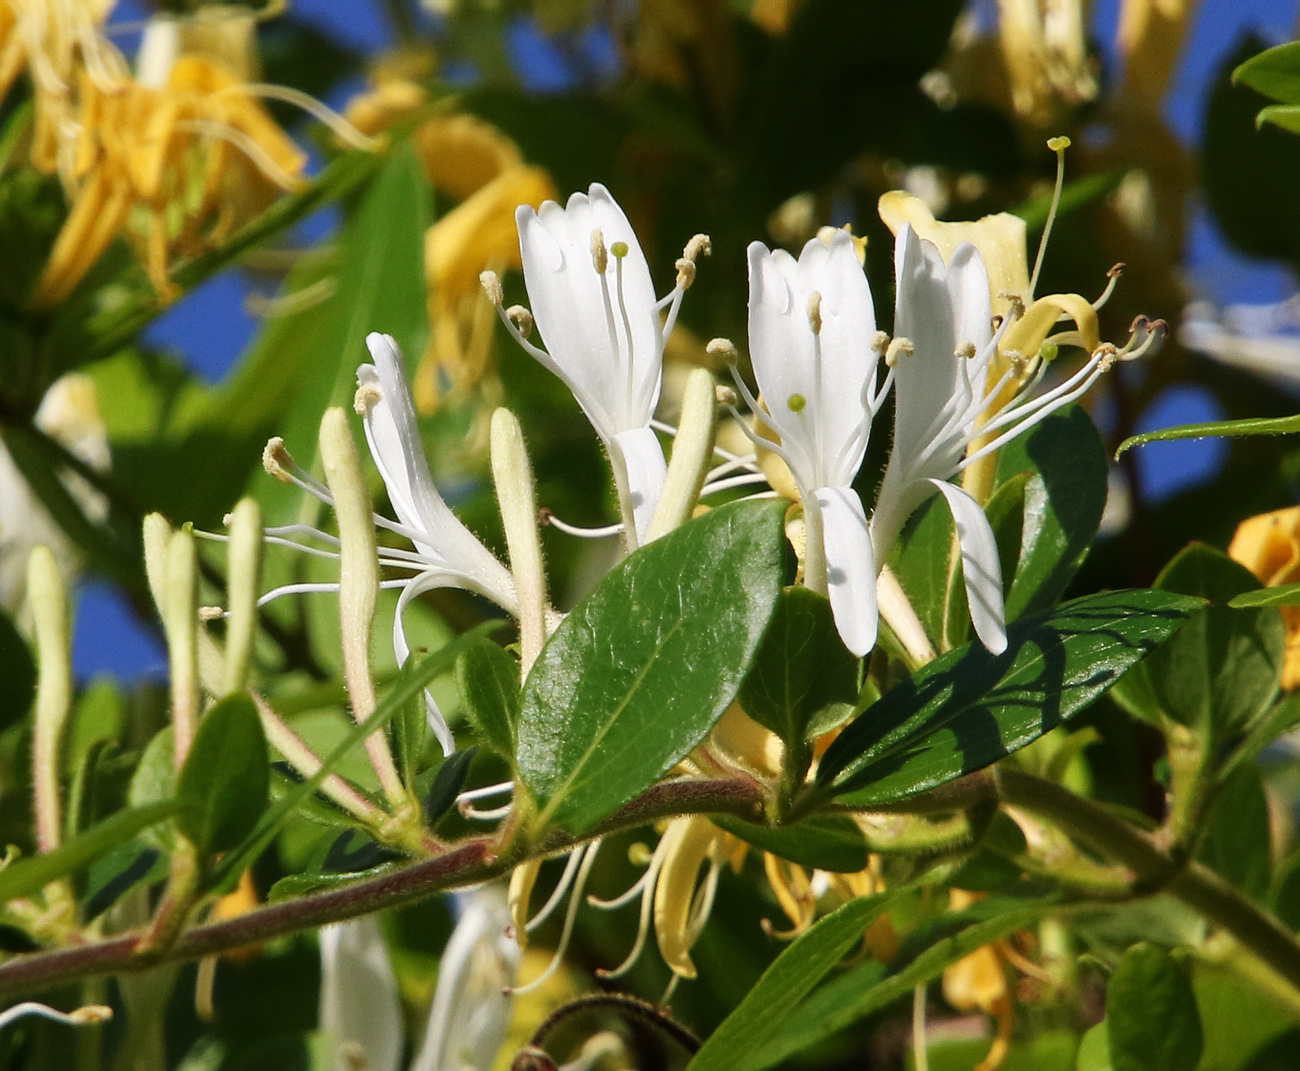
x,y
594,303
812,335
1269,546
445,554
470,1015
946,398
175,157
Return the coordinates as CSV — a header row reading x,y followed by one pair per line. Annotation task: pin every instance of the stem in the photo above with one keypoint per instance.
x,y
1155,868
470,863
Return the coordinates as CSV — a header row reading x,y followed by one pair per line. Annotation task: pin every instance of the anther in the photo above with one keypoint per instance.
x,y
1106,355
726,396
367,395
211,613
815,312
797,403
276,459
966,350
899,347
879,343
491,283
521,318
599,254
724,348
700,245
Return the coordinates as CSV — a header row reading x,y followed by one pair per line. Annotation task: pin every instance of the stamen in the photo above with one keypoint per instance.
x,y
725,396
599,254
366,396
1112,278
313,107
84,1016
491,283
211,613
723,348
546,517
815,312
965,351
562,886
1058,145
486,792
277,461
260,158
880,343
899,347
588,859
521,318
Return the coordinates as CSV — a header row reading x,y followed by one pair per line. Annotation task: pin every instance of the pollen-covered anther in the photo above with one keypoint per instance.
x,y
815,312
700,245
898,347
1106,355
965,351
491,283
726,396
367,395
276,460
724,348
522,318
211,613
1016,304
880,343
599,254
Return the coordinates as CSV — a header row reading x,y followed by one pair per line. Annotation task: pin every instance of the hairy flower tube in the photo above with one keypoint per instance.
x,y
594,303
944,349
811,330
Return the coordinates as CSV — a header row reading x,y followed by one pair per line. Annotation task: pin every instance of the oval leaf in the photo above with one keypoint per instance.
x,y
641,669
223,787
831,842
969,708
488,678
1151,1018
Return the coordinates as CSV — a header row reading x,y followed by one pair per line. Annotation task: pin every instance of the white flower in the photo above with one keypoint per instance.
x,y
470,1014
944,343
446,554
812,329
594,303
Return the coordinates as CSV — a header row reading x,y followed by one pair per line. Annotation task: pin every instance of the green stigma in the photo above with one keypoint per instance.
x,y
1048,352
796,402
619,249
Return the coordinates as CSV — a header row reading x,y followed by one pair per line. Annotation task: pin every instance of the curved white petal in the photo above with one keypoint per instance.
x,y
358,994
389,420
980,567
470,1015
643,468
601,329
850,567
811,382
418,585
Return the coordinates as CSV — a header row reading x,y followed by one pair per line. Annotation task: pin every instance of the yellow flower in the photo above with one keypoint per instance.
x,y
1045,48
172,159
1269,546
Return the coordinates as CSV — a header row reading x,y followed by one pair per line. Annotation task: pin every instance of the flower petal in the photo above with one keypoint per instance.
x,y
418,585
641,459
850,567
358,993
980,567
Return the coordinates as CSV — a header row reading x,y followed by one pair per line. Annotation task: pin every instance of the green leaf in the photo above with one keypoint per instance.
x,y
1151,1019
154,780
859,991
640,670
1236,842
1222,671
223,785
801,669
759,1018
1094,1049
301,884
969,708
1284,595
410,682
831,842
1215,428
445,785
1063,502
18,671
27,876
1286,892
927,564
1275,72
488,678
1285,116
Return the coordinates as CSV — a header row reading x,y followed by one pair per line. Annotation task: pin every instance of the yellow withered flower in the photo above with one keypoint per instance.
x,y
1269,546
172,159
